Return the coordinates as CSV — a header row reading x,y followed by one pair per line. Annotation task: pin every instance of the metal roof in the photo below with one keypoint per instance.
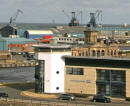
x,y
39,31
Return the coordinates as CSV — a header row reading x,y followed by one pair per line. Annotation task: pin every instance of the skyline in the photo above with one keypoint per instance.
x,y
48,11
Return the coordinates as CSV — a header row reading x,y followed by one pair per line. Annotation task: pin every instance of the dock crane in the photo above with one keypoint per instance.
x,y
13,18
73,21
95,18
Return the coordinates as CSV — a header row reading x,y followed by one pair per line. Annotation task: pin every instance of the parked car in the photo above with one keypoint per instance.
x,y
3,95
67,97
101,98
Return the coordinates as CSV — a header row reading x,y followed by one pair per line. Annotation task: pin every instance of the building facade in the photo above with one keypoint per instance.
x,y
49,73
97,75
93,47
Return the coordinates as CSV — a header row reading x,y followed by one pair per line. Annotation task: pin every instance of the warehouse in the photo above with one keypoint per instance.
x,y
8,30
35,34
16,43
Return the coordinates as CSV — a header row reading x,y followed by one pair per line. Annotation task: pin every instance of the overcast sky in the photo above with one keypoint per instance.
x,y
44,11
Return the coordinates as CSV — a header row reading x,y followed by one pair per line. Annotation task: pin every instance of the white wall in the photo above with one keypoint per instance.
x,y
53,63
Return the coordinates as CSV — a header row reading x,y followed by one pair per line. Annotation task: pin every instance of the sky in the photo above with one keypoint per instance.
x,y
48,11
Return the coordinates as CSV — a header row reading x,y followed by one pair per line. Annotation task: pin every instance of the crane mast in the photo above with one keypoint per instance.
x,y
13,18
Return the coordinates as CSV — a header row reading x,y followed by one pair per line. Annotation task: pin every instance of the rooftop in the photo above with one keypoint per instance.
x,y
99,58
50,46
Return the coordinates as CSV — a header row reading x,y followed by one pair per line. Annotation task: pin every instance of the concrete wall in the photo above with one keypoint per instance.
x,y
54,71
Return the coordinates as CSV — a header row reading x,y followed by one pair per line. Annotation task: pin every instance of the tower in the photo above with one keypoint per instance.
x,y
49,73
91,36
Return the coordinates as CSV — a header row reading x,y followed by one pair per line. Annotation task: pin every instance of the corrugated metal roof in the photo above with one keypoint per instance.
x,y
39,31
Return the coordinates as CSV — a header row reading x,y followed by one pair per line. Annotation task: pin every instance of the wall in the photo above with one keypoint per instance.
x,y
53,63
86,83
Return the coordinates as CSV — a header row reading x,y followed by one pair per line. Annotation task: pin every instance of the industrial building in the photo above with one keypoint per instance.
x,y
8,30
35,34
16,44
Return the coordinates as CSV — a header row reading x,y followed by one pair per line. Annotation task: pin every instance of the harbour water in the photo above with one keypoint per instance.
x,y
17,75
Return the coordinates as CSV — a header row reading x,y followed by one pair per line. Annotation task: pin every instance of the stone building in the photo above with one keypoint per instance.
x,y
93,47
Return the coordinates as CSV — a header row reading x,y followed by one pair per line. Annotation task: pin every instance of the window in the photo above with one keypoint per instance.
x,y
93,53
98,53
75,71
111,52
57,88
86,53
57,72
103,53
115,52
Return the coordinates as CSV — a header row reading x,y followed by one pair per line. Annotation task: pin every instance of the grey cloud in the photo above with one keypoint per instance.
x,y
114,11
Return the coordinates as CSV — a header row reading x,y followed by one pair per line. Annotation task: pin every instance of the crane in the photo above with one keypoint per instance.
x,y
99,17
13,18
66,14
73,21
95,18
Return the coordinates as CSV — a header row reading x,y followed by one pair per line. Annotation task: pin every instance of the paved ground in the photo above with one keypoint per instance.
x,y
14,92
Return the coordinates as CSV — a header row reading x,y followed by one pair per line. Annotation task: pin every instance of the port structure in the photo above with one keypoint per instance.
x,y
13,18
95,19
73,21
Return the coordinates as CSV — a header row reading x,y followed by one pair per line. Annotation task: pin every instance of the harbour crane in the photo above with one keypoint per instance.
x,y
95,18
73,20
66,14
13,18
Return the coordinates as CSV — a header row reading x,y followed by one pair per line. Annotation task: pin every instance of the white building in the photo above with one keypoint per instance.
x,y
49,73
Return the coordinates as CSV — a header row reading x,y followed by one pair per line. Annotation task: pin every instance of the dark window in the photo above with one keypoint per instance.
x,y
111,52
98,53
103,53
75,71
57,88
108,52
115,52
57,72
79,53
82,53
93,53
111,82
86,53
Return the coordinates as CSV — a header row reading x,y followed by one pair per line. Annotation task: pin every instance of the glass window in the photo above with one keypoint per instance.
x,y
75,71
111,82
86,53
93,53
98,53
103,53
69,70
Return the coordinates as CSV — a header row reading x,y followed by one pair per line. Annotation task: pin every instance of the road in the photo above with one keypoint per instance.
x,y
14,92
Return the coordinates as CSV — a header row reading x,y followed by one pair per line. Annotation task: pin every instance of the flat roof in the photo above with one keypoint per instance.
x,y
97,61
100,58
50,46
